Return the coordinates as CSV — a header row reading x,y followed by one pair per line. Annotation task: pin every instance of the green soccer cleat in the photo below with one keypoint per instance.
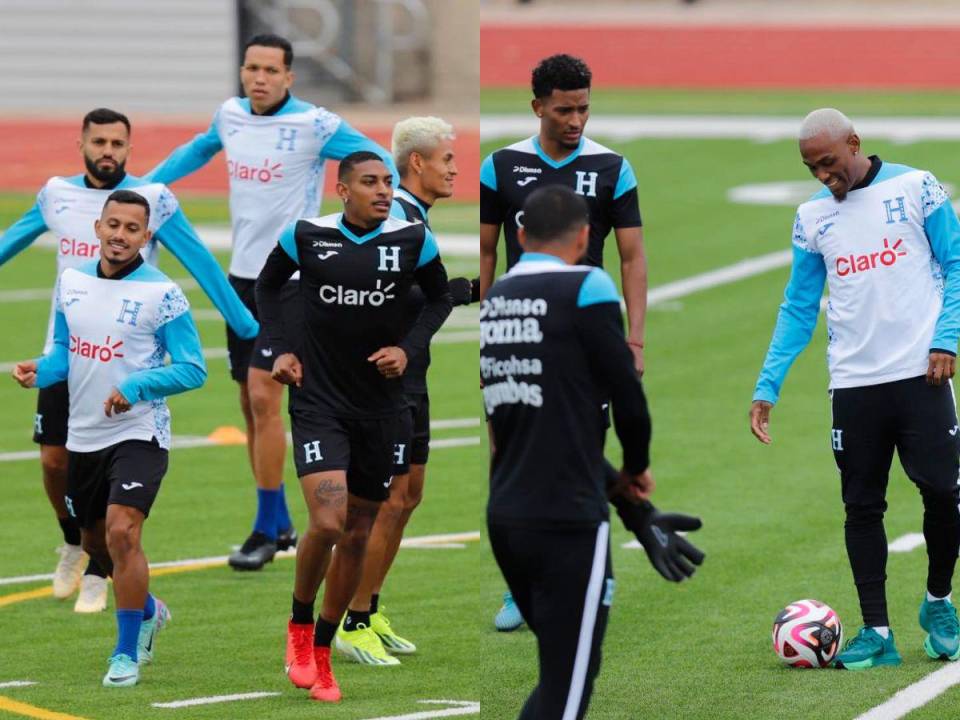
x,y
363,646
939,619
123,672
149,629
391,641
868,649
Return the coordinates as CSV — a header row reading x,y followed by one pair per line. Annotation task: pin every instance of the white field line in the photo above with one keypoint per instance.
x,y
462,708
721,127
915,695
220,238
183,442
721,276
17,683
453,540
906,543
215,699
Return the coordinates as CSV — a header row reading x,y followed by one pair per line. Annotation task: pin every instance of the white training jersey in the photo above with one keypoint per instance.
x,y
115,333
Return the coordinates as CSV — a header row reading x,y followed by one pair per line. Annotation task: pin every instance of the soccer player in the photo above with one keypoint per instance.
x,y
275,147
68,207
552,350
886,241
424,154
116,319
560,154
356,269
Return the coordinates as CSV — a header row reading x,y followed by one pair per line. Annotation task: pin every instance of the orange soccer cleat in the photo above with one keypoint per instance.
x,y
325,689
300,665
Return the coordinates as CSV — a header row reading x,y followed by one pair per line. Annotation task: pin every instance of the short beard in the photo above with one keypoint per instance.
x,y
108,177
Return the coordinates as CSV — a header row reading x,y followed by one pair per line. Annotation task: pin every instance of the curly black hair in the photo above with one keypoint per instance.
x,y
560,72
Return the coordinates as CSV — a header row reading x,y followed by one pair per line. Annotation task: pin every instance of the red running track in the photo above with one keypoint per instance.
x,y
747,56
34,151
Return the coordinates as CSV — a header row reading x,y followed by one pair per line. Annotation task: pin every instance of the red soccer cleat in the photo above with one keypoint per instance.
x,y
300,665
325,689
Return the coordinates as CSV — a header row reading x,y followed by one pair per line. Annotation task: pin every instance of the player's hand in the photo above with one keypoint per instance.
x,y
460,290
941,368
636,488
760,420
25,373
636,347
288,369
672,555
116,403
391,361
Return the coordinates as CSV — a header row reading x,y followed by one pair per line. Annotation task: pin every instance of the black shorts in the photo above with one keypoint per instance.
x,y
562,583
243,354
917,420
53,409
128,473
364,448
413,447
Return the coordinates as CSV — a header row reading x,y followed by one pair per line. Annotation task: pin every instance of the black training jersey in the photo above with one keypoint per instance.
x,y
354,291
552,350
604,179
407,206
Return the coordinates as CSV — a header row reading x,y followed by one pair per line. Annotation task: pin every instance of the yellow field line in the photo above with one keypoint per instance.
x,y
32,711
26,595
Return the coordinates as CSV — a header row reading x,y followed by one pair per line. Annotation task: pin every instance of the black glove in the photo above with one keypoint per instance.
x,y
669,553
462,291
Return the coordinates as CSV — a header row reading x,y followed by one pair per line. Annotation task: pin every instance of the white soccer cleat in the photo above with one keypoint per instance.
x,y
66,578
92,597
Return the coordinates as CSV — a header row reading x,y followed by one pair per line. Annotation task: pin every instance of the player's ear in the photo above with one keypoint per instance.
x,y
415,162
147,236
290,78
853,142
522,237
537,106
583,239
342,191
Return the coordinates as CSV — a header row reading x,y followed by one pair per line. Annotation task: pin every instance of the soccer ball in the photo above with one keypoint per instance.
x,y
807,634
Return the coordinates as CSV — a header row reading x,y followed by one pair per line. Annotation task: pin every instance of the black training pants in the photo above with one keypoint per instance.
x,y
562,583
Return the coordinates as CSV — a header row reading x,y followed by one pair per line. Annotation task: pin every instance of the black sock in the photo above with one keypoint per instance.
x,y
71,530
356,617
323,633
374,602
93,568
302,612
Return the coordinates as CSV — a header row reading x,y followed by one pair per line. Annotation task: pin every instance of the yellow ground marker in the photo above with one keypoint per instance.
x,y
228,435
32,711
26,595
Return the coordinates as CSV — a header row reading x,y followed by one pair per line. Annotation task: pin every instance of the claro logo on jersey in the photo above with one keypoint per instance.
x,y
339,295
78,248
104,352
887,257
266,173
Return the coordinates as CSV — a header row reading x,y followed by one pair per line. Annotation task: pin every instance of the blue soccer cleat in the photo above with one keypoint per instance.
x,y
508,617
149,629
123,672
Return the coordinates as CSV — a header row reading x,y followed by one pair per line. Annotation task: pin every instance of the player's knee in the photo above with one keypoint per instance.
x,y
245,404
354,540
413,497
325,529
941,505
861,515
93,548
265,401
123,537
54,464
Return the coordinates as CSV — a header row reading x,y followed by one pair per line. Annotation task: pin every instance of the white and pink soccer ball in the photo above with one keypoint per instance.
x,y
807,634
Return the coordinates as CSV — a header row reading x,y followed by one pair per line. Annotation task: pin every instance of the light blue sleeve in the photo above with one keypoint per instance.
x,y
430,249
348,140
186,371
288,241
179,237
627,180
795,322
189,157
943,232
396,210
488,173
55,365
597,288
23,232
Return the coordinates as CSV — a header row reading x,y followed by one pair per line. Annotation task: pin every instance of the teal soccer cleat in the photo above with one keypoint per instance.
x,y
869,649
939,619
149,629
508,618
123,672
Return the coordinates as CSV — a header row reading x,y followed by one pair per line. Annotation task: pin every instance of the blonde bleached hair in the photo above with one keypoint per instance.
x,y
418,134
828,121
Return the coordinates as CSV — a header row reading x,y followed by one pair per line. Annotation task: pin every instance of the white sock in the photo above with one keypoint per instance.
x,y
934,598
883,631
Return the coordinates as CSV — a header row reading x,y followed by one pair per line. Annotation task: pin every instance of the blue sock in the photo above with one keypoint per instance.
x,y
284,522
128,630
149,607
266,522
